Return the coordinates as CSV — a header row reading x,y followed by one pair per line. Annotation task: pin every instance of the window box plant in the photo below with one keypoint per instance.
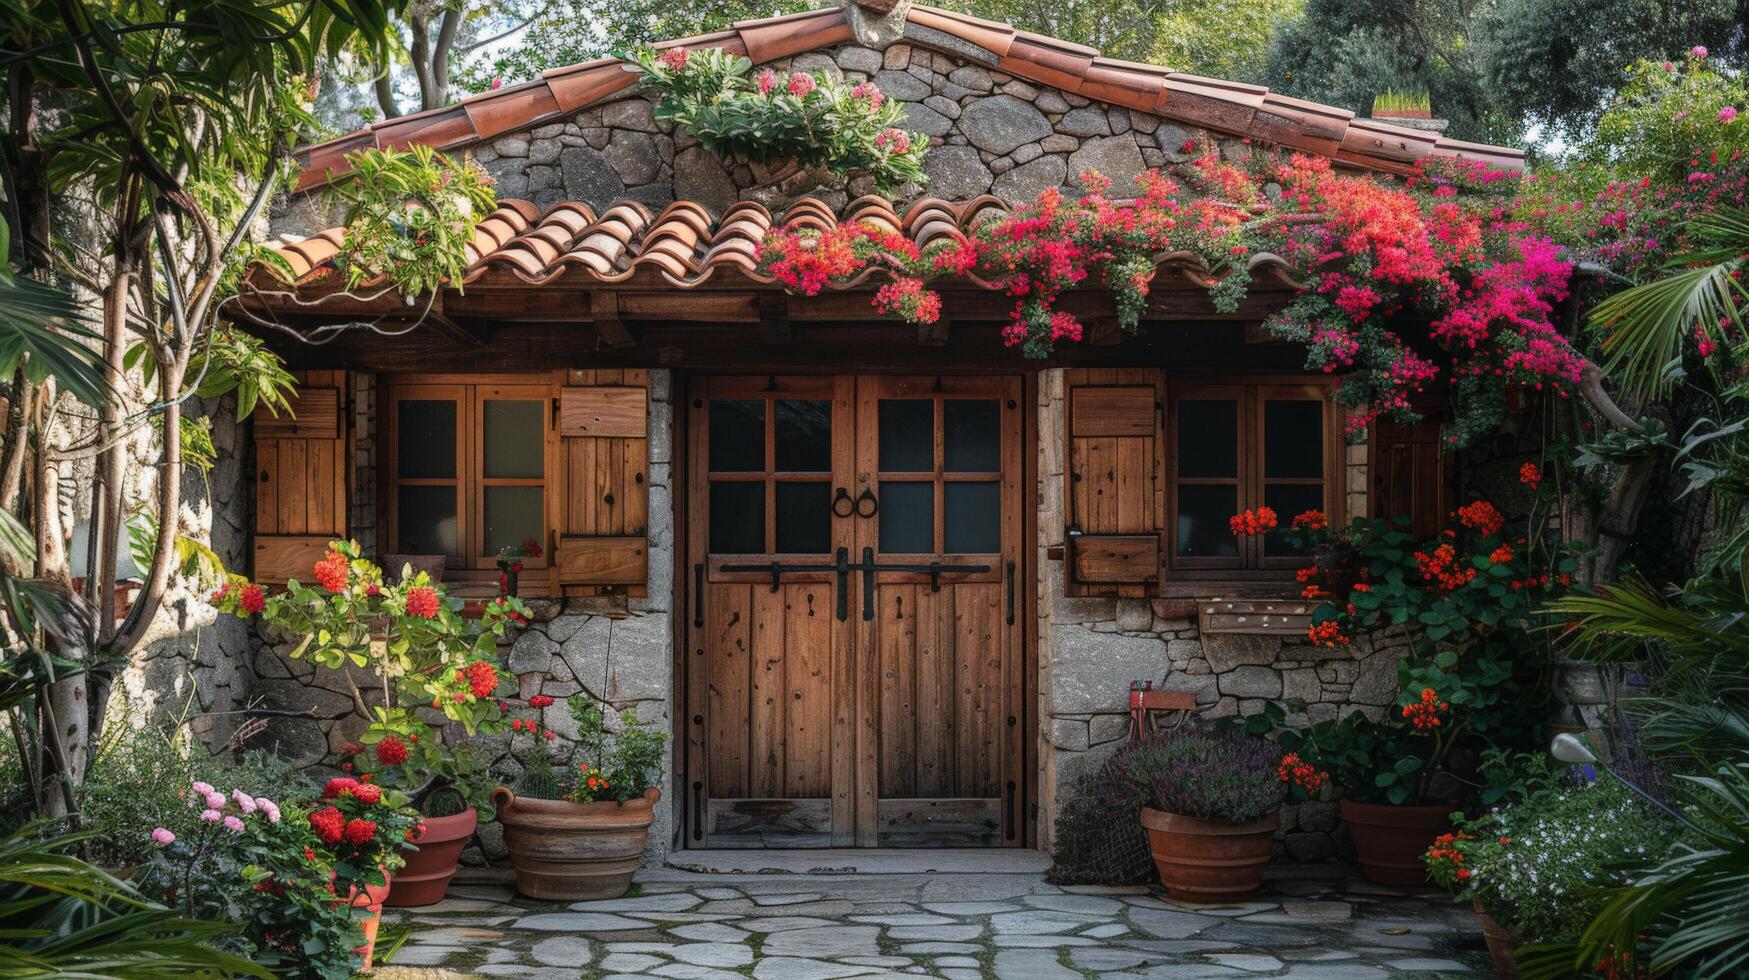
x,y
578,820
424,654
1209,802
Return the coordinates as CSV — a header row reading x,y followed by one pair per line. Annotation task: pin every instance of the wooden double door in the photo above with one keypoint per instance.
x,y
854,657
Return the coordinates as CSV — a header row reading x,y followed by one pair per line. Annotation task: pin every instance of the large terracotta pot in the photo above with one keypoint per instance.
x,y
565,850
1390,839
1503,944
1208,861
426,876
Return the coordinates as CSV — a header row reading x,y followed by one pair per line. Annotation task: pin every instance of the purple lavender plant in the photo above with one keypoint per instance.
x,y
1199,773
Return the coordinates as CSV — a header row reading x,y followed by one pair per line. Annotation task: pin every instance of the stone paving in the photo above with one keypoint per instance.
x,y
1312,923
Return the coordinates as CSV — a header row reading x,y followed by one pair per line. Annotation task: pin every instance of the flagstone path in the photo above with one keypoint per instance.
x,y
1312,923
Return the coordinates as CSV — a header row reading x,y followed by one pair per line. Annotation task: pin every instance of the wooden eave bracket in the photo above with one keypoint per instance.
x,y
610,330
774,325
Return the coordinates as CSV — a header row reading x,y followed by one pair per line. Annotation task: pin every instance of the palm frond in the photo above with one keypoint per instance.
x,y
42,326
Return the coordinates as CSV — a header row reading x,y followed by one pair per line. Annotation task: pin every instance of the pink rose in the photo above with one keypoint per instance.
x,y
1698,51
767,81
497,83
162,837
1727,114
245,802
868,92
201,788
211,816
800,84
215,800
268,807
674,59
234,824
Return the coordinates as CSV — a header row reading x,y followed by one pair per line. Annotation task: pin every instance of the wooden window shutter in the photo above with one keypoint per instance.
x,y
599,504
1411,477
302,463
1116,480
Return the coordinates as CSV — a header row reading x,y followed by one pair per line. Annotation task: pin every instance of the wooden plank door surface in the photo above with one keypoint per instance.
x,y
939,755
769,668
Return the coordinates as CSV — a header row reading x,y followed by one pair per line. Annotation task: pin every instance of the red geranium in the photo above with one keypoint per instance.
x,y
391,751
253,599
329,824
1254,521
360,831
422,601
332,571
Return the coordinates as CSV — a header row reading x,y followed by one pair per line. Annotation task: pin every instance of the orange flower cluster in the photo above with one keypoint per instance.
x,y
1501,555
1298,772
422,602
1311,520
1481,516
1424,714
1441,567
1445,849
332,571
592,778
1254,521
1328,634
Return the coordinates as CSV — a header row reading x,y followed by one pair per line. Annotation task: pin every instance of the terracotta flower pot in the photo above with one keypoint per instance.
x,y
1503,944
565,850
426,876
1208,861
371,900
1390,839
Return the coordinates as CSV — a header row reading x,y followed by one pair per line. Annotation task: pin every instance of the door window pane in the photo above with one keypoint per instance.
x,y
513,515
972,436
425,447
907,516
1208,438
804,518
426,523
737,518
1202,521
971,518
804,437
737,435
907,433
1289,500
1293,439
515,441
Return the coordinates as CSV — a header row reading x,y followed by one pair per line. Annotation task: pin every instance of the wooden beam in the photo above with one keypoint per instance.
x,y
933,334
610,330
1105,332
774,319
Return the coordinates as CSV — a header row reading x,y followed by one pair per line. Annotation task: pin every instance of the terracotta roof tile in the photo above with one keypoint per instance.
x,y
1227,107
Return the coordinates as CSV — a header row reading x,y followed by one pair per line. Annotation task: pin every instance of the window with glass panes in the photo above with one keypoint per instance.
x,y
466,469
1240,446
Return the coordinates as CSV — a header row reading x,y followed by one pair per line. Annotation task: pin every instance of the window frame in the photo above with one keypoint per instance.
x,y
768,475
1252,563
470,394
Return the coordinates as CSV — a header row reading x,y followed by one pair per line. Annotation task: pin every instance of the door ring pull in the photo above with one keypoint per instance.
x,y
849,506
868,497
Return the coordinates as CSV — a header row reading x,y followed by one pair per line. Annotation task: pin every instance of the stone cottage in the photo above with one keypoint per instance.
x,y
887,585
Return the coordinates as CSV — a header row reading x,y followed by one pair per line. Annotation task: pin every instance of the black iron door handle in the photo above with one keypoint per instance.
x,y
867,505
842,505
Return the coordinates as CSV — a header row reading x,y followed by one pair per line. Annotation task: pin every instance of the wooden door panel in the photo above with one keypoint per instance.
x,y
978,653
727,655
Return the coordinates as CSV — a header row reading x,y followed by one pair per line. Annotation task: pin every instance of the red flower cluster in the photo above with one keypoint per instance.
x,y
480,677
1328,634
907,299
1298,772
1501,555
339,786
1481,516
1445,849
1425,713
253,599
359,830
391,751
332,571
1311,520
531,547
540,701
1254,521
1530,475
1442,568
368,793
422,601
329,824
674,59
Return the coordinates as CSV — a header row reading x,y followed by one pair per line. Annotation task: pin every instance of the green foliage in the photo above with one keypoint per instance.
x,y
1665,122
811,119
1208,774
63,917
410,217
233,361
625,757
1391,100
42,329
194,559
1545,865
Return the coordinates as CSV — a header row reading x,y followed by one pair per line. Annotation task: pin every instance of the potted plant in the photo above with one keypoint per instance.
x,y
423,653
365,830
578,820
1539,870
509,563
1209,801
1463,606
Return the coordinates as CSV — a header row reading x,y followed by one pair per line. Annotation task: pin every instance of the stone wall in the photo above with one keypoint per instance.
x,y
616,648
989,132
1090,649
